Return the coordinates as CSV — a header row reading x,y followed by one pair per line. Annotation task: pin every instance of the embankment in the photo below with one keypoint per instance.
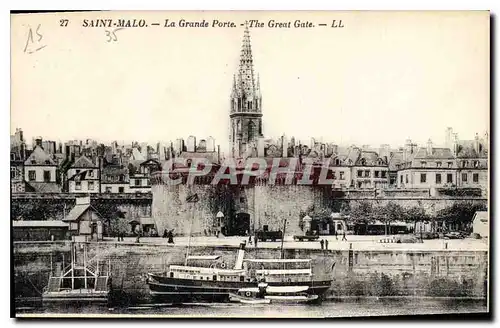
x,y
436,273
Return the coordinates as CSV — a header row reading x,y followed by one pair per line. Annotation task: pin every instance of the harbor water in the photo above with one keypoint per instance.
x,y
328,309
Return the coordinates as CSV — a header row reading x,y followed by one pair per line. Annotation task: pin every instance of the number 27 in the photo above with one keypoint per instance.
x,y
64,22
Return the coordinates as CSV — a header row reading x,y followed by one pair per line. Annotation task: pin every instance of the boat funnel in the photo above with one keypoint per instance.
x,y
241,254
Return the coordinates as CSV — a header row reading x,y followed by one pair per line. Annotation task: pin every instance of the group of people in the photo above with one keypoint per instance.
x,y
324,243
170,235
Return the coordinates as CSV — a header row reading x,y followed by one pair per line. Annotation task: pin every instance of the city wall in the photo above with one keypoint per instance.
x,y
36,206
269,204
444,273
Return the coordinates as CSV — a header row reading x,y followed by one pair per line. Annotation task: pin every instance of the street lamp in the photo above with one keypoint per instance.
x,y
219,217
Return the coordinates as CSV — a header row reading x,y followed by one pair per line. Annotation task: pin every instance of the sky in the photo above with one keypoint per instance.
x,y
382,78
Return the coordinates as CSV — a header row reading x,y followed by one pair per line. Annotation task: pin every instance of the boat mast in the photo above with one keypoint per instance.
x,y
193,198
283,237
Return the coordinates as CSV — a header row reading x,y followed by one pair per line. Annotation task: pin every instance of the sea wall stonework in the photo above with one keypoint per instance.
x,y
270,204
354,272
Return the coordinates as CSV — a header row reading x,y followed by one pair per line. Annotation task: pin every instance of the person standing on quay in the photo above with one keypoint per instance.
x,y
343,237
322,242
326,244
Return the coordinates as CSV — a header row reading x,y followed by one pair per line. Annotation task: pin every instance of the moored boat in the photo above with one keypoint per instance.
x,y
265,294
211,280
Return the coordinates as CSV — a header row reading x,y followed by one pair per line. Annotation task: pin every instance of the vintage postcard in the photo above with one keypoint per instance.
x,y
258,164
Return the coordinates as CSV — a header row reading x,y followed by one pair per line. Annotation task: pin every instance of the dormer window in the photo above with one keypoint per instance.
x,y
423,164
33,161
47,161
438,164
450,164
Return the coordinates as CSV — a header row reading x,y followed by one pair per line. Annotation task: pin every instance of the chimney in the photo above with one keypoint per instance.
x,y
476,143
429,147
384,151
284,146
241,254
449,138
455,144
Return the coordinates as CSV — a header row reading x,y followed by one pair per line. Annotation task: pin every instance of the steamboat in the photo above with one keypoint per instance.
x,y
214,282
207,278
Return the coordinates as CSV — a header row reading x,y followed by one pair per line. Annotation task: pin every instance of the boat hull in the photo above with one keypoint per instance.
x,y
182,290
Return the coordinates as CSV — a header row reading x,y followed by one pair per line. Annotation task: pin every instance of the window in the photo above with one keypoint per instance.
x,y
214,278
341,175
476,163
401,178
450,164
423,164
33,161
439,164
91,185
438,178
108,189
384,174
242,278
13,172
46,176
242,200
464,177
475,177
407,178
367,174
12,156
377,174
360,173
121,178
121,189
465,163
78,185
339,226
423,177
31,175
90,173
334,175
77,171
137,182
449,178
47,161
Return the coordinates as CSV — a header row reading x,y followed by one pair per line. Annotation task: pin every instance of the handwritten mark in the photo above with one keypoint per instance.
x,y
112,34
33,45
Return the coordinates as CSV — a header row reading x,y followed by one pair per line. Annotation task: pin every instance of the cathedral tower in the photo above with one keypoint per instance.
x,y
246,104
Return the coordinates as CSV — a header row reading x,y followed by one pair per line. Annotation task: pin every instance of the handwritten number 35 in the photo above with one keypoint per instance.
x,y
111,36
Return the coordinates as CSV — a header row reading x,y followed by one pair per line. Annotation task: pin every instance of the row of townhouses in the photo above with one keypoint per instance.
x,y
89,167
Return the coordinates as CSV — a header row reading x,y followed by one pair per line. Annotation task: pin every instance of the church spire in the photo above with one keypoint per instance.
x,y
246,103
246,81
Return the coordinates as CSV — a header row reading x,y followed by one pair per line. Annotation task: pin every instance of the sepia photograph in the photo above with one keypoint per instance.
x,y
250,164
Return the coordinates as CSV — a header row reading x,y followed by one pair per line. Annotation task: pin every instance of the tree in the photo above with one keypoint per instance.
x,y
361,213
415,214
461,213
389,213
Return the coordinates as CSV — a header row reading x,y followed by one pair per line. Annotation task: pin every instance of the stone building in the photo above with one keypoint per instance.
x,y
472,163
40,172
428,167
83,176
